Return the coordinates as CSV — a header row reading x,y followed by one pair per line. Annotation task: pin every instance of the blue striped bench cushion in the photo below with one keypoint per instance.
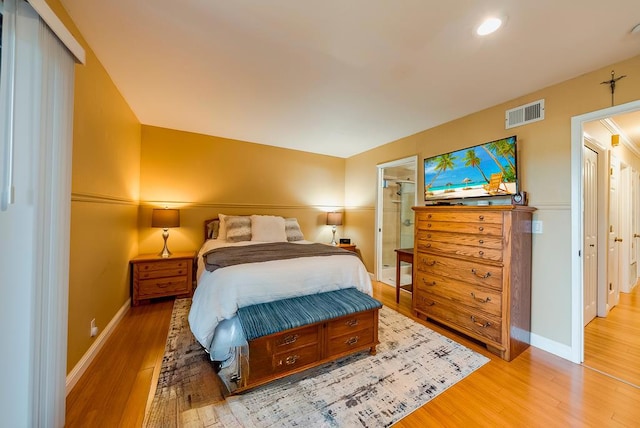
x,y
268,318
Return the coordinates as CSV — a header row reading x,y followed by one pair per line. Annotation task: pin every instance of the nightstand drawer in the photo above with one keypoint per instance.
x,y
164,286
163,265
164,273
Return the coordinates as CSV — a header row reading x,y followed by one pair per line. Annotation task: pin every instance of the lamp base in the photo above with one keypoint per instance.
x,y
165,251
333,241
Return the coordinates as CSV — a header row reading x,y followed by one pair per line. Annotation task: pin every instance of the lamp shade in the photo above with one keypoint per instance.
x,y
334,219
165,218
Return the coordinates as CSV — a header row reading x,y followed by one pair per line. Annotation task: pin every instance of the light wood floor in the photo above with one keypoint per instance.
x,y
612,344
535,389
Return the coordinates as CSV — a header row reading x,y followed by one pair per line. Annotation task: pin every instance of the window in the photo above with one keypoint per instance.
x,y
1,9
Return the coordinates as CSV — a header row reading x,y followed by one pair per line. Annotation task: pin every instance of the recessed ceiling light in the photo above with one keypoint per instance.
x,y
489,26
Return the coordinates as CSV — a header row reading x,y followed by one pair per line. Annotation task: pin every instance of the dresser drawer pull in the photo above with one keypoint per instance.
x,y
291,359
290,339
479,324
481,241
428,245
428,263
478,299
481,228
481,217
485,276
429,283
352,323
164,284
428,224
481,253
428,215
429,235
427,302
352,340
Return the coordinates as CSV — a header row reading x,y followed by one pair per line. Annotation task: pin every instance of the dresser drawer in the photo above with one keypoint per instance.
x,y
478,324
492,242
350,323
352,340
461,217
461,250
150,288
462,270
163,265
492,229
479,298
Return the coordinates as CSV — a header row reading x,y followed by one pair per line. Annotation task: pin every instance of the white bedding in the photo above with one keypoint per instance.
x,y
219,294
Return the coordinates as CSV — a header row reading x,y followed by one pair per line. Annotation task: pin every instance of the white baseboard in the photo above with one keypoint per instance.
x,y
79,369
553,347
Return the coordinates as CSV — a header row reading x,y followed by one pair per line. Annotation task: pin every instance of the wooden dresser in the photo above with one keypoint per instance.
x,y
472,272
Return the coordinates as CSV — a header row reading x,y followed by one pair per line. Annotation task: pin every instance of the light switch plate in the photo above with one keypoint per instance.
x,y
536,226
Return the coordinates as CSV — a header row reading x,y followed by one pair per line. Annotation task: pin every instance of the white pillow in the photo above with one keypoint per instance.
x,y
268,228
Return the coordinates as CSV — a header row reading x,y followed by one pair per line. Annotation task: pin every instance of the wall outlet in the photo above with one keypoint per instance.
x,y
536,226
94,328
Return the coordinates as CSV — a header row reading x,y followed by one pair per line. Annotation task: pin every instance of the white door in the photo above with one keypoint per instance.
x,y
613,238
624,228
635,223
590,250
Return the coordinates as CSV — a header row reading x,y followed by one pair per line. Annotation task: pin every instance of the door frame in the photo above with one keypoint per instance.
x,y
576,351
379,204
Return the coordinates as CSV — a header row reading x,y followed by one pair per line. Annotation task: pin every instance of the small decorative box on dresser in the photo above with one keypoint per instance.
x,y
154,276
473,272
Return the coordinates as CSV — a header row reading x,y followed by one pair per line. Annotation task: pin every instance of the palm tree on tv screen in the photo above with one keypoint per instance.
x,y
471,159
443,163
503,149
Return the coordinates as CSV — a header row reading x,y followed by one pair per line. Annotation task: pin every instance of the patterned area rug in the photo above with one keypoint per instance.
x,y
412,366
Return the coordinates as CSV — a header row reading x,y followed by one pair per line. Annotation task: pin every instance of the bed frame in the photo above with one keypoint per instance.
x,y
311,342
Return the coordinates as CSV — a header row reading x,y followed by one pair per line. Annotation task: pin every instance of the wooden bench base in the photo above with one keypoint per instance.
x,y
291,351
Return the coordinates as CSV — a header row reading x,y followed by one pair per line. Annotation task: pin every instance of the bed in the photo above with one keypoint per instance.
x,y
229,277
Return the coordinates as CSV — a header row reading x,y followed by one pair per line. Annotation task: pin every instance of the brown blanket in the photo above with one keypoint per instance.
x,y
229,256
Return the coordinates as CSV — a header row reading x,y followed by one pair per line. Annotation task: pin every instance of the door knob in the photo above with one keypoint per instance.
x,y
617,240
635,235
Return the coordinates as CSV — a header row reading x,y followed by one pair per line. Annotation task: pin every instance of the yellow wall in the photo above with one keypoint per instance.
x,y
117,162
204,176
544,160
104,200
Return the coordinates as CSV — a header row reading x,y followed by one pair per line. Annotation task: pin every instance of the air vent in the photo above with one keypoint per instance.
x,y
527,113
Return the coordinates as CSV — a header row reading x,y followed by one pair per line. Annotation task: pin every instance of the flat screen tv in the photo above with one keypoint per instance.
x,y
488,169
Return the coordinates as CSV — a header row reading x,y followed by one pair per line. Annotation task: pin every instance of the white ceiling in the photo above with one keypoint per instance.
x,y
339,77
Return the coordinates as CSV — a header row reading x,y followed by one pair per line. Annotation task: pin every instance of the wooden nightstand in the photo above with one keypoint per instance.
x,y
350,247
154,276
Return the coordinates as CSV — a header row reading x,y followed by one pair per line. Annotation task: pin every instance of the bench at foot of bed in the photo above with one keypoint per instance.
x,y
292,335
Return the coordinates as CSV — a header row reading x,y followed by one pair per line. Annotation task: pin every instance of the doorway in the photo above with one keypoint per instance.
x,y
396,195
615,225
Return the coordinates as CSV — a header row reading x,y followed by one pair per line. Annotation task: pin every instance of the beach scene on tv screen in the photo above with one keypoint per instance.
x,y
484,170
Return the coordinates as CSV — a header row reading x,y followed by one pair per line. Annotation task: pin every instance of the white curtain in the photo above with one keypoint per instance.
x,y
34,226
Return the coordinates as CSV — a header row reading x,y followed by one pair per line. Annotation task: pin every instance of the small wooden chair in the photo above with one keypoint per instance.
x,y
495,183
